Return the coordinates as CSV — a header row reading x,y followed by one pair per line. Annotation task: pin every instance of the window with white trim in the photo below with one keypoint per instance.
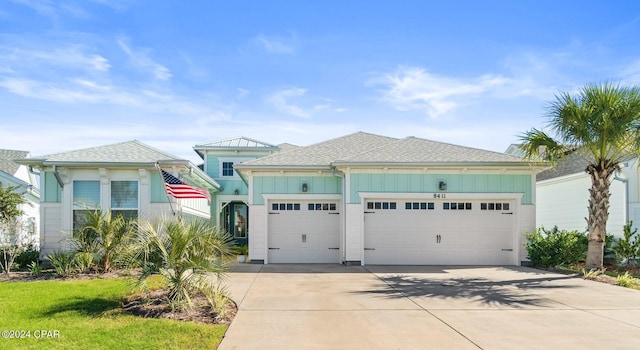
x,y
227,169
86,198
124,199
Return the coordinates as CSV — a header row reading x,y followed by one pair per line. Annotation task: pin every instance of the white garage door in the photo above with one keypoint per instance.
x,y
304,232
439,232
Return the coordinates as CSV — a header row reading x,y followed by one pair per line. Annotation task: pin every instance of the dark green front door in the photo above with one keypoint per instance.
x,y
239,222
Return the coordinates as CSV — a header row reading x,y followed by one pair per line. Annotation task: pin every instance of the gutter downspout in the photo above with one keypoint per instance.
x,y
626,194
344,212
58,178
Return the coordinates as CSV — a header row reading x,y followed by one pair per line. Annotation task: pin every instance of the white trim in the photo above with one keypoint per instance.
x,y
235,161
439,195
302,197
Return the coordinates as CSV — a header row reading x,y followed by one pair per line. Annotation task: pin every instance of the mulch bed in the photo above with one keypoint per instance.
x,y
151,305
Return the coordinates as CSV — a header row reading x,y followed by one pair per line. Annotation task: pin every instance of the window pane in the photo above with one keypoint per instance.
x,y
124,194
392,205
385,205
491,206
505,206
416,205
86,194
283,206
467,206
289,206
483,206
423,205
454,206
445,206
296,206
431,206
127,214
407,205
274,206
369,205
332,206
460,206
311,206
227,168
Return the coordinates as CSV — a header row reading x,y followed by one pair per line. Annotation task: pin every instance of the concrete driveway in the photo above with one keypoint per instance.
x,y
427,307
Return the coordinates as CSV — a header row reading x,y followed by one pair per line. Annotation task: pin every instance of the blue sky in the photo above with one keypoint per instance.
x,y
174,74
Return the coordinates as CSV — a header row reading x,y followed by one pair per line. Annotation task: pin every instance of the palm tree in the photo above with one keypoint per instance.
x,y
104,236
185,254
601,123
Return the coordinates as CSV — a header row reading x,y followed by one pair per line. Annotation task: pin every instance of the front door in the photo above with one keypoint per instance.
x,y
236,219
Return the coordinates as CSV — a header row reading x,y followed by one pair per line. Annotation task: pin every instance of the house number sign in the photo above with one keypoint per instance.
x,y
439,195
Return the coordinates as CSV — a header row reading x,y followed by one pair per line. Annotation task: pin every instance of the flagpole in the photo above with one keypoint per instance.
x,y
165,188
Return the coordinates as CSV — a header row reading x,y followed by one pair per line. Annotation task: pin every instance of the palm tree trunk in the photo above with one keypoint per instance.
x,y
598,214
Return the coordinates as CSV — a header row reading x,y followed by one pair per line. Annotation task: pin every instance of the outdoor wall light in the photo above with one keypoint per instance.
x,y
236,192
442,185
305,187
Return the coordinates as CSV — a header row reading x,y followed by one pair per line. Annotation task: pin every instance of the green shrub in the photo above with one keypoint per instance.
x,y
625,280
27,257
628,246
35,268
84,261
63,263
550,248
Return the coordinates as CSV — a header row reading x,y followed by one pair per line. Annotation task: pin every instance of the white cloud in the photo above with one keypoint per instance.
x,y
242,93
281,101
140,59
70,57
414,88
277,46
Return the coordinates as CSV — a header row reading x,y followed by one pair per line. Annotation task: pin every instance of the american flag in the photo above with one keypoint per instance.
x,y
179,189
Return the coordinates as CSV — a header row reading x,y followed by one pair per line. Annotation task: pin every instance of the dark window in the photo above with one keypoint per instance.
x,y
407,205
492,206
296,206
289,206
332,206
431,206
445,206
423,205
467,206
416,205
460,206
318,206
505,206
274,206
498,206
369,205
283,206
483,206
311,206
378,205
227,168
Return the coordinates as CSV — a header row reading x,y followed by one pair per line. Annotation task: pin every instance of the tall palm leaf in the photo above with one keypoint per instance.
x,y
184,253
105,236
601,123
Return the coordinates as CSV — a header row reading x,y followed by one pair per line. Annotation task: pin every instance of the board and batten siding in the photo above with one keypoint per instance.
x,y
293,185
456,183
229,184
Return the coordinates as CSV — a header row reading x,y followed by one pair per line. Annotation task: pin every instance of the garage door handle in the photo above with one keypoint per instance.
x,y
369,212
334,248
369,248
273,213
507,213
274,248
507,250
334,213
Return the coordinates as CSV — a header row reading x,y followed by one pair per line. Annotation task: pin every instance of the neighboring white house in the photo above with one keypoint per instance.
x,y
121,177
563,196
25,182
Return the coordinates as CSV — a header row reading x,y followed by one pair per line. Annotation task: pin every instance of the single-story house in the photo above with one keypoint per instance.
x,y
371,199
357,199
122,178
18,176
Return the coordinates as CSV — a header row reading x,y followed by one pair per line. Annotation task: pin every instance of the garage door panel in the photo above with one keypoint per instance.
x,y
308,233
440,232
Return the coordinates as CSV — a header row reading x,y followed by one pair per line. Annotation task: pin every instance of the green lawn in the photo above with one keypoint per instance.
x,y
87,315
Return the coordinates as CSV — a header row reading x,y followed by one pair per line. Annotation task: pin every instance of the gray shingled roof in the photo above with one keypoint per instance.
x,y
236,142
364,148
323,153
285,147
573,163
7,157
124,152
417,150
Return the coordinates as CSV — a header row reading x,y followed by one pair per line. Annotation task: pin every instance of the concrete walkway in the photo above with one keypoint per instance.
x,y
427,307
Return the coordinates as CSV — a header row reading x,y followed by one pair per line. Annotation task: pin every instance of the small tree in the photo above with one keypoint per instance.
x,y
628,246
14,235
185,254
105,237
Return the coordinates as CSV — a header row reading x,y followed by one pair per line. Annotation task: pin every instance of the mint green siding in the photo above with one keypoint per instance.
x,y
52,191
456,183
158,193
229,184
293,185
